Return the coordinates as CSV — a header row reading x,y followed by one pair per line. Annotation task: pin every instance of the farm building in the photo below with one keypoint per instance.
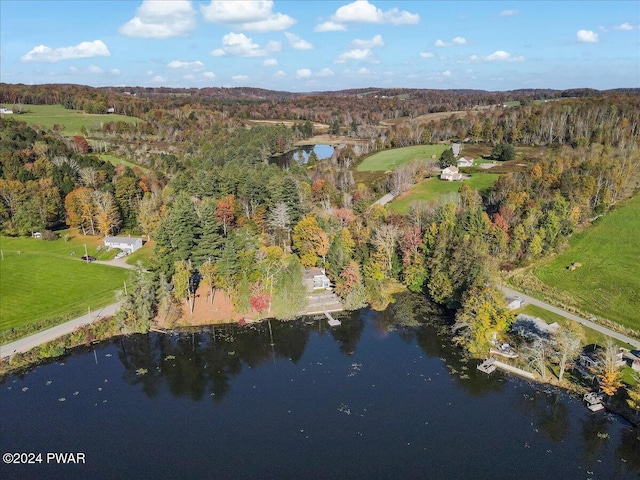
x,y
465,162
457,148
451,174
316,278
126,244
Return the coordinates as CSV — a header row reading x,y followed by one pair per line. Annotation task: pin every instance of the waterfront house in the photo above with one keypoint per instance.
x,y
126,244
316,278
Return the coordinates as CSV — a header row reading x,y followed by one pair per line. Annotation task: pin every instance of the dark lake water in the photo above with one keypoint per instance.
x,y
370,399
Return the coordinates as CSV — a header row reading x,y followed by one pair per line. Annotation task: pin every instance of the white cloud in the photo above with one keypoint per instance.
x,y
446,73
188,77
197,65
114,71
159,79
329,27
209,75
95,69
149,72
73,69
298,43
624,26
279,74
357,54
325,72
587,36
251,16
361,11
500,56
240,78
508,13
456,41
42,53
375,41
238,44
363,71
427,54
303,73
161,19
270,62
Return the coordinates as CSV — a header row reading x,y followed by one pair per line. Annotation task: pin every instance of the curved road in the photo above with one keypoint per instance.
x,y
583,321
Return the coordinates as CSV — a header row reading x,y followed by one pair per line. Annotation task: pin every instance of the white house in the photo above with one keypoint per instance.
x,y
465,162
5,111
111,110
451,174
316,278
126,244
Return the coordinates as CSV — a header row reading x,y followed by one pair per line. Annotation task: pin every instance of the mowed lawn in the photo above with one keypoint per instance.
x,y
608,283
46,116
434,188
392,159
41,280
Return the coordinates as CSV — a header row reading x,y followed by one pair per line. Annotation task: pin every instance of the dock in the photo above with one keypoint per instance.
x,y
594,401
515,370
488,366
332,321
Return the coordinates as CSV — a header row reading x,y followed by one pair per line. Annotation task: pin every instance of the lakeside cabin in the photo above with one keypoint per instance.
x,y
315,278
126,244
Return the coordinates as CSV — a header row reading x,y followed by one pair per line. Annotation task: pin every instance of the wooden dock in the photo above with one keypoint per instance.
x,y
515,370
332,321
488,366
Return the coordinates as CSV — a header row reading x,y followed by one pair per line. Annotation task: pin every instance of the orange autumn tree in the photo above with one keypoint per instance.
x,y
310,241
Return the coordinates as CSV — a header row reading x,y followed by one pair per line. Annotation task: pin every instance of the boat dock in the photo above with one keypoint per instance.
x,y
594,401
488,366
332,321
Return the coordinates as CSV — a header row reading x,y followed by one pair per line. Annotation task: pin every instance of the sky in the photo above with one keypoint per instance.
x,y
307,45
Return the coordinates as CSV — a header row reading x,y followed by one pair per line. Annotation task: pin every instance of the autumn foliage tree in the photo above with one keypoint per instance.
x,y
310,241
225,212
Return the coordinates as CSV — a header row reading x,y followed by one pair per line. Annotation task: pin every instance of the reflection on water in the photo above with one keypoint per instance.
x,y
301,155
384,395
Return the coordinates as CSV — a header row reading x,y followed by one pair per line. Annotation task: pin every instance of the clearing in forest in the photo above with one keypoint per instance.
x,y
607,283
46,116
41,280
434,189
394,158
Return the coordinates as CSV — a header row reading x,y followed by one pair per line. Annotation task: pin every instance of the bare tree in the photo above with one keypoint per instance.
x,y
279,221
537,353
566,345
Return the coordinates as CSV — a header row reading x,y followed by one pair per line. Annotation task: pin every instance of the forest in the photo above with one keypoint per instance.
x,y
223,217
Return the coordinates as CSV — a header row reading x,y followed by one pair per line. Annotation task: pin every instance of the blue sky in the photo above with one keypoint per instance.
x,y
322,45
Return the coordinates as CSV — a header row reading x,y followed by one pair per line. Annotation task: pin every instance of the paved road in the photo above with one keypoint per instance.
x,y
597,327
27,343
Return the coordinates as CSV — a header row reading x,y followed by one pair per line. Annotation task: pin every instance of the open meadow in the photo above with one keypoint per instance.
x,y
41,280
396,157
46,116
608,282
434,188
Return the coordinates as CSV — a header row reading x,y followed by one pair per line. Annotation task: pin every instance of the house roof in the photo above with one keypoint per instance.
x,y
313,272
467,159
125,240
451,169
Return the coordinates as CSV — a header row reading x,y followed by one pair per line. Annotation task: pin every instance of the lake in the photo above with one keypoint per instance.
x,y
384,395
301,155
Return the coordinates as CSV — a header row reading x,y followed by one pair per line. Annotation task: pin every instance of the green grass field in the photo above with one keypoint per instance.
x,y
392,159
434,188
41,280
608,283
142,255
119,161
46,116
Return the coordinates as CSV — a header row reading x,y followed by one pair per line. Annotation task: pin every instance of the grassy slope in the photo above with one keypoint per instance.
x,y
45,281
608,283
392,159
119,161
433,188
47,115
